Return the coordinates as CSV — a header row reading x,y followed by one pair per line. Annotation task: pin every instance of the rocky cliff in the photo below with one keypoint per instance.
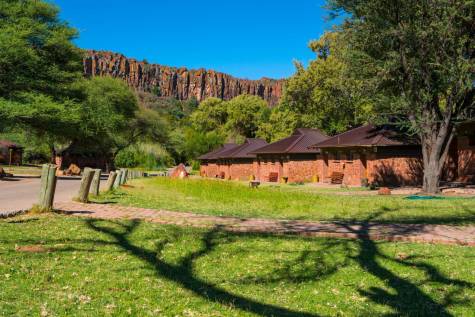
x,y
180,83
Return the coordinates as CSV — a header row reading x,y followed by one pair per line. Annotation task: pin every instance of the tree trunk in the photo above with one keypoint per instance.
x,y
435,144
432,175
53,154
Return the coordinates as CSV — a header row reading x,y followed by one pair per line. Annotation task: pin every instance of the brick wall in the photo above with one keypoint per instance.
x,y
466,159
209,169
267,165
5,156
302,168
223,169
396,171
391,167
241,170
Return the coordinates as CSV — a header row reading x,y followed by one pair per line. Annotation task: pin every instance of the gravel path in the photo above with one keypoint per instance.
x,y
423,233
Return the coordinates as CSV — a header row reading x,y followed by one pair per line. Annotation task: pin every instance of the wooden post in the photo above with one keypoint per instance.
x,y
117,179
110,181
47,187
123,176
86,180
96,182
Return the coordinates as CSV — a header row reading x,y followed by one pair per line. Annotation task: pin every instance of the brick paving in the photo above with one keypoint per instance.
x,y
423,233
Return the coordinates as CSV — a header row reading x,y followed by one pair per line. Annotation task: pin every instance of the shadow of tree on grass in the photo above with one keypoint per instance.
x,y
405,297
183,273
408,299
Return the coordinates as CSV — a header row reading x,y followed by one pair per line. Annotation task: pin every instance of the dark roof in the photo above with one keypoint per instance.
x,y
367,135
244,150
214,155
298,142
9,145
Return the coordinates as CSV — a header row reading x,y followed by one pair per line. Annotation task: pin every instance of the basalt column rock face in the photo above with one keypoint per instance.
x,y
180,83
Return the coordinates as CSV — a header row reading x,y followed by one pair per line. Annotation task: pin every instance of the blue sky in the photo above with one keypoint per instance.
x,y
247,39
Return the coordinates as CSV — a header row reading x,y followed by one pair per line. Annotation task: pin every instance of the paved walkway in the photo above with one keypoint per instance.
x,y
21,193
441,234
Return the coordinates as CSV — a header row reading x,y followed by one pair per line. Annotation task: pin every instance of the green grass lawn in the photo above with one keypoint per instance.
x,y
86,267
288,202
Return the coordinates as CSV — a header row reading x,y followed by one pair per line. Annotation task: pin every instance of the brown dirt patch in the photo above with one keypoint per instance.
x,y
31,248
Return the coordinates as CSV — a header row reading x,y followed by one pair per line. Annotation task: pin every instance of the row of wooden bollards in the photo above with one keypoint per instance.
x,y
90,183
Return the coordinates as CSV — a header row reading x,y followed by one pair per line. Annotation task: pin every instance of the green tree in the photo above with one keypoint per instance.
x,y
422,52
111,116
210,115
282,122
245,114
325,95
38,64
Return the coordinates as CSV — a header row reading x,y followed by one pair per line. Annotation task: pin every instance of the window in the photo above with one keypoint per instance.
x,y
349,156
337,155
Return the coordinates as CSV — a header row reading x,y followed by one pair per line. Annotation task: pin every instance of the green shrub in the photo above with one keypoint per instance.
x,y
146,156
127,158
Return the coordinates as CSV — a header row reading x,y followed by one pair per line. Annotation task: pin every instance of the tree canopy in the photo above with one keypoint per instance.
x,y
423,53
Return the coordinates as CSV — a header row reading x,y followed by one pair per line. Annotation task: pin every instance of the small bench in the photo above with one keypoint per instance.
x,y
273,177
254,184
337,178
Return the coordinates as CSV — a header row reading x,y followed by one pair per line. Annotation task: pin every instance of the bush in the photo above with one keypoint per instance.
x,y
127,158
195,165
146,156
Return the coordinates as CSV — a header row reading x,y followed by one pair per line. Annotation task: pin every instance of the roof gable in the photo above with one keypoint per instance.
x,y
244,150
214,155
367,135
299,142
9,145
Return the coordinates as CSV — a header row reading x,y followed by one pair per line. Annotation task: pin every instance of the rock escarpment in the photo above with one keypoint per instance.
x,y
180,83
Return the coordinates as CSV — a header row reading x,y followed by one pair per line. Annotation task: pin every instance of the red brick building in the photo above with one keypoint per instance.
x,y
291,159
239,163
231,161
10,153
371,154
366,154
209,161
461,161
83,155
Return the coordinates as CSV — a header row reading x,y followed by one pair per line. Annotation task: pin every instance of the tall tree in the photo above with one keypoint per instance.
x,y
211,115
325,95
38,64
281,123
111,117
245,113
422,51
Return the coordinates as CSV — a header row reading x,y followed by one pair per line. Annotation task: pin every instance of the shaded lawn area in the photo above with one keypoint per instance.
x,y
288,202
93,267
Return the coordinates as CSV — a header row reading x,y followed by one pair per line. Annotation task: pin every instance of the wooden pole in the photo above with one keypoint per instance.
x,y
86,180
96,182
110,181
47,187
123,176
117,179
